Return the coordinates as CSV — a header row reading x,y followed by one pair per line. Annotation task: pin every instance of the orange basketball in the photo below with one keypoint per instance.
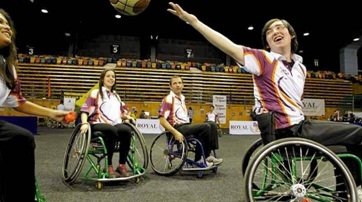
x,y
130,7
70,117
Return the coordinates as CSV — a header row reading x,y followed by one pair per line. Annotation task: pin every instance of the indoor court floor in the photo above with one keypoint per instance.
x,y
225,185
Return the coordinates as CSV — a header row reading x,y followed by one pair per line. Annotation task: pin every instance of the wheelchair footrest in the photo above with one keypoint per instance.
x,y
198,168
113,179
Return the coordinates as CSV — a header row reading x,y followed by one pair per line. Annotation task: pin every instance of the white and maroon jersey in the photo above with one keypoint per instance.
x,y
278,86
11,97
173,109
109,110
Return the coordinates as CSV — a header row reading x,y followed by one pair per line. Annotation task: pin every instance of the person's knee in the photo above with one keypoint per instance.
x,y
206,128
124,132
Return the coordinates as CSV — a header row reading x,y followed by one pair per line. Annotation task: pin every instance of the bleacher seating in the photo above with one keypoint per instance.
x,y
152,84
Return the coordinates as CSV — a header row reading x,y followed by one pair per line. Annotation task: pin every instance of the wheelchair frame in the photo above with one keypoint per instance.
x,y
292,169
169,156
83,147
38,196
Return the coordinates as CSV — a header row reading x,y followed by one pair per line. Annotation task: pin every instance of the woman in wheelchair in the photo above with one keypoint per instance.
x,y
105,112
173,117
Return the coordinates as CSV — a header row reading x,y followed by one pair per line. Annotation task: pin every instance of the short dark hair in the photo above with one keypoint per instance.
x,y
287,25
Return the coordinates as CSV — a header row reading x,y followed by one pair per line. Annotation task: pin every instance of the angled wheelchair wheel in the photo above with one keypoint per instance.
x,y
50,123
250,154
167,155
138,152
297,169
75,154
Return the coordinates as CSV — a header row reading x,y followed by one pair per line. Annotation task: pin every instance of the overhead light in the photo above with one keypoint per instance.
x,y
44,10
356,39
306,34
250,27
118,16
67,34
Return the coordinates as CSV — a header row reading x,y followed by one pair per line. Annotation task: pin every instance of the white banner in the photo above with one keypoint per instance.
x,y
69,103
219,102
243,128
313,107
149,126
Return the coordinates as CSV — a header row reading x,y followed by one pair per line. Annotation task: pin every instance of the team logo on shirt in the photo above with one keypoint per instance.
x,y
286,72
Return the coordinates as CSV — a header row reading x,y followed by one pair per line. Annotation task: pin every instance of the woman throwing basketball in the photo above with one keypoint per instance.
x,y
279,77
17,161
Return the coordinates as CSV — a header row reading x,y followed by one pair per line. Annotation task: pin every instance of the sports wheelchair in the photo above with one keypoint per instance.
x,y
38,196
91,147
298,169
169,156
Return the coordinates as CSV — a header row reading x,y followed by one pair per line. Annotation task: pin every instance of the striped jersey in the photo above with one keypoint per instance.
x,y
173,109
278,85
11,97
109,110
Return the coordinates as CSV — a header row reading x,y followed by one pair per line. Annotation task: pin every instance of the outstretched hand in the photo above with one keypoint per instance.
x,y
183,15
59,115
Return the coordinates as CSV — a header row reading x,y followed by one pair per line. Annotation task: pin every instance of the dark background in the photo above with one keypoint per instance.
x,y
331,25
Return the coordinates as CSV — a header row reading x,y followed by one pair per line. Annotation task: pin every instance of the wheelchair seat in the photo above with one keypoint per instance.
x,y
91,147
169,156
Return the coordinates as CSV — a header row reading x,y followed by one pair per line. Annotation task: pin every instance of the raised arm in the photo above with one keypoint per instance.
x,y
217,39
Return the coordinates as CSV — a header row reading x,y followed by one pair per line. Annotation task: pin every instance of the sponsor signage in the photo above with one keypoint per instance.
x,y
243,128
313,107
149,126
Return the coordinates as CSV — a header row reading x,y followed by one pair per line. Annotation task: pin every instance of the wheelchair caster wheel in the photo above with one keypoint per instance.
x,y
199,175
138,180
214,170
99,185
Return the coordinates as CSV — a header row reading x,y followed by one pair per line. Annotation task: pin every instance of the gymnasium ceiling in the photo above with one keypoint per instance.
x,y
331,26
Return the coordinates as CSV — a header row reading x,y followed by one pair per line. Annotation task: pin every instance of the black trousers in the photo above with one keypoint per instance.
x,y
331,133
206,133
113,134
214,143
334,133
17,163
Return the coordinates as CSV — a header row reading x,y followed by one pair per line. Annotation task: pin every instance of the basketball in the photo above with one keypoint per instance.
x,y
70,117
130,7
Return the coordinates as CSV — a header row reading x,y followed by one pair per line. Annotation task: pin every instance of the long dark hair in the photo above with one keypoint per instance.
x,y
290,28
8,55
101,81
